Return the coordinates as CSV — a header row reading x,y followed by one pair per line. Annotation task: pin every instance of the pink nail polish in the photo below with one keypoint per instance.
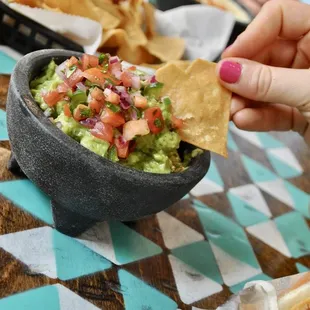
x,y
230,72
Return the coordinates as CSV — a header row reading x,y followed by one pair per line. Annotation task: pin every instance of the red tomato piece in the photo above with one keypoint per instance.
x,y
132,68
154,119
67,111
140,102
89,61
63,88
126,79
75,77
97,94
94,75
114,119
81,112
176,122
95,106
103,132
73,61
52,97
122,147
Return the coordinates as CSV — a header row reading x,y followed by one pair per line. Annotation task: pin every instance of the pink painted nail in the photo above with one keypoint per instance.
x,y
230,72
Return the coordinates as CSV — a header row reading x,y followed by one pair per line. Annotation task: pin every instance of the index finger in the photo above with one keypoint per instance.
x,y
286,19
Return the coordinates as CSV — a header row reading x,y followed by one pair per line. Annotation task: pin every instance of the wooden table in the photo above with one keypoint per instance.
x,y
103,288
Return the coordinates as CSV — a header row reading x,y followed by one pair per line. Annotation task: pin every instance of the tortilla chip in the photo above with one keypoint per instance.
x,y
181,64
149,17
113,38
166,48
200,101
136,55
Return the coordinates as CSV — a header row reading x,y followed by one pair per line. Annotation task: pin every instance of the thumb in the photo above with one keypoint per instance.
x,y
259,82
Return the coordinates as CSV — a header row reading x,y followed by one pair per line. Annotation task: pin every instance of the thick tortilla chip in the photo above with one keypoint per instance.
x,y
149,17
135,55
181,64
166,48
200,101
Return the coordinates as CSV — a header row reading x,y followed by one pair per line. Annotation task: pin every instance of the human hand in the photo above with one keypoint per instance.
x,y
271,76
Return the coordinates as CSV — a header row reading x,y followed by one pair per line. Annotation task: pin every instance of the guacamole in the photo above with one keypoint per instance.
x,y
113,111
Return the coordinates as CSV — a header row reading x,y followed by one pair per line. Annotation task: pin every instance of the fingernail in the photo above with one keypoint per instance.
x,y
230,72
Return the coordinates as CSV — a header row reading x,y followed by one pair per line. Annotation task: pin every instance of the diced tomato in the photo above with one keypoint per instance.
x,y
67,111
135,128
73,61
89,61
112,96
81,112
122,147
95,76
97,94
63,88
114,119
132,68
126,79
52,97
176,122
154,119
140,102
103,132
95,106
75,77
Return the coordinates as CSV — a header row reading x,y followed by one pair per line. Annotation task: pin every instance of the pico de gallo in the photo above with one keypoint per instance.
x,y
112,110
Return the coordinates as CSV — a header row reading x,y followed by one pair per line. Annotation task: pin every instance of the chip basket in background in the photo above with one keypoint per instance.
x,y
26,35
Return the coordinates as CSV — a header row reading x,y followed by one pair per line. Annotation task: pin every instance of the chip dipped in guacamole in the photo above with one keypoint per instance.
x,y
114,111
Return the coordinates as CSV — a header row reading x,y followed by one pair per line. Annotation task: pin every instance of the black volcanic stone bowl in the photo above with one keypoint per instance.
x,y
84,188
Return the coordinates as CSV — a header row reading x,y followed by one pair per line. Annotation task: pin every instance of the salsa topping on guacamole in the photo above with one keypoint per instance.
x,y
113,110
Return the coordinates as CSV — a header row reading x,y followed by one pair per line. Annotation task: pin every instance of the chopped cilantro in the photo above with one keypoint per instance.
x,y
85,112
114,108
166,101
158,123
102,58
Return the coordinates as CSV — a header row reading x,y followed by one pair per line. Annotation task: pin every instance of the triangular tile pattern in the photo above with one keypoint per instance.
x,y
268,233
175,233
245,213
139,295
268,141
200,257
251,137
237,288
68,300
212,183
287,193
98,238
34,248
231,143
47,251
45,297
50,297
284,162
118,243
297,239
7,63
30,198
129,246
301,268
73,259
230,245
192,286
257,171
3,127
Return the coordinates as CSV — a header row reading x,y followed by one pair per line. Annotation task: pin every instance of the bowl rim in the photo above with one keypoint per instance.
x,y
20,79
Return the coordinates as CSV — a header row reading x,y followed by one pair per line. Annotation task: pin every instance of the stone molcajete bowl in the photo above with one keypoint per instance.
x,y
84,188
